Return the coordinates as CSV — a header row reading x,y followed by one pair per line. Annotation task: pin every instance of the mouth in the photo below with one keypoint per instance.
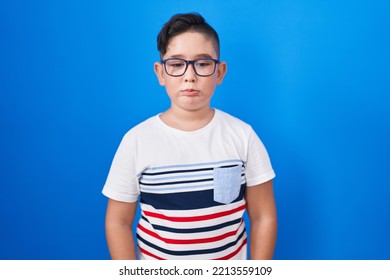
x,y
190,92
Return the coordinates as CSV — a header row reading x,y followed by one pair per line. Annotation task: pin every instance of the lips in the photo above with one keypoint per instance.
x,y
190,92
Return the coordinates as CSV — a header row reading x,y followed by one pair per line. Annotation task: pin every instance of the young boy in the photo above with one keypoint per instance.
x,y
194,169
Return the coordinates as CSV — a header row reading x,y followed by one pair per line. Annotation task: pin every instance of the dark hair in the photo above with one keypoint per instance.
x,y
181,23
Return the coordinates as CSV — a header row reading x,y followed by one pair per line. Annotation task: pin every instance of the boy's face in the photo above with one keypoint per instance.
x,y
190,92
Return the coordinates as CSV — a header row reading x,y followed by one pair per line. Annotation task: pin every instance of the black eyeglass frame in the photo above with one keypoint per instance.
x,y
187,62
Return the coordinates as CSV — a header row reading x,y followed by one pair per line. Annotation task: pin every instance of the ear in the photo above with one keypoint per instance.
x,y
159,70
221,71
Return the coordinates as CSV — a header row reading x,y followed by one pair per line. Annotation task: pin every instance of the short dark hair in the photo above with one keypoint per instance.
x,y
181,23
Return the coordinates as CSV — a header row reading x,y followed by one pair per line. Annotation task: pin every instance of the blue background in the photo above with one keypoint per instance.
x,y
312,77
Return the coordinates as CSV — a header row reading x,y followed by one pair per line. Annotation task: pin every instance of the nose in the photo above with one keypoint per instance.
x,y
190,75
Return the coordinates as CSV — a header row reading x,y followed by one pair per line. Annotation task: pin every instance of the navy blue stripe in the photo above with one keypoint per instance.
x,y
185,200
192,252
193,230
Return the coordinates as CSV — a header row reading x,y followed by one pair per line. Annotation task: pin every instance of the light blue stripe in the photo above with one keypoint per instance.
x,y
164,190
164,179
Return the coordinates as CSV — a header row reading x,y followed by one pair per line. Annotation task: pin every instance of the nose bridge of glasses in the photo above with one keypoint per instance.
x,y
193,68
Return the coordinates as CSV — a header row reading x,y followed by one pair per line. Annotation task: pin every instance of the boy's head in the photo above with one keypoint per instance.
x,y
189,68
181,23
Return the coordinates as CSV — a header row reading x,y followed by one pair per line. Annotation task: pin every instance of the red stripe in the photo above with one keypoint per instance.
x,y
231,255
194,218
190,241
150,254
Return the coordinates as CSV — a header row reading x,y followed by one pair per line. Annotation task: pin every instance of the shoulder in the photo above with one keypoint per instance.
x,y
141,129
235,123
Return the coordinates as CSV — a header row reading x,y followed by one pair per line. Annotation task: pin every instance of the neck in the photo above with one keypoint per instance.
x,y
187,120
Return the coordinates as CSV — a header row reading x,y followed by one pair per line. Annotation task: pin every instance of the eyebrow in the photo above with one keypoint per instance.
x,y
203,55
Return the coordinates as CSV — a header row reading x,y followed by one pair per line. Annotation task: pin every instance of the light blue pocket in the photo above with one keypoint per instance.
x,y
227,184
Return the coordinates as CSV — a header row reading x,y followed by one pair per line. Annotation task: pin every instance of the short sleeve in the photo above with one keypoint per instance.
x,y
258,168
122,181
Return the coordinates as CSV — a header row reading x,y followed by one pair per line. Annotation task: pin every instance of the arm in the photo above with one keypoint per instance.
x,y
263,221
119,233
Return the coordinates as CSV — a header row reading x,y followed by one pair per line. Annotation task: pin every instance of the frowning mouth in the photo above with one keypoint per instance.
x,y
190,92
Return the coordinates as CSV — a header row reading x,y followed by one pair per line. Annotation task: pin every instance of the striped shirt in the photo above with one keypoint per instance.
x,y
190,186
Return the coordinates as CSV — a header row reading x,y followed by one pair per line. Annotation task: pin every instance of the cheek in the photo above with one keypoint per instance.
x,y
212,83
171,85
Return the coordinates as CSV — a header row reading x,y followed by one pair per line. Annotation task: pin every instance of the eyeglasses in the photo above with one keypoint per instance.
x,y
203,67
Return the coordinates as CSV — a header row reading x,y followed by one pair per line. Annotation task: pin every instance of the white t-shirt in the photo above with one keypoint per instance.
x,y
191,186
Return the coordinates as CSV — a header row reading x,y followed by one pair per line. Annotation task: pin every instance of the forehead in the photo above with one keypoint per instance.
x,y
191,45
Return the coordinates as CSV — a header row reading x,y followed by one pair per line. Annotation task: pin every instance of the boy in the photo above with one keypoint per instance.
x,y
195,169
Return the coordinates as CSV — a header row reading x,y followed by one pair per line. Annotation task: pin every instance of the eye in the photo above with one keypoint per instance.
x,y
175,63
204,63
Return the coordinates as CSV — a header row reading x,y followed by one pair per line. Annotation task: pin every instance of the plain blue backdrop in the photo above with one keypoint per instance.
x,y
312,77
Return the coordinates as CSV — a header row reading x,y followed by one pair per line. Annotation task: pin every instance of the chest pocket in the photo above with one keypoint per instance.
x,y
227,184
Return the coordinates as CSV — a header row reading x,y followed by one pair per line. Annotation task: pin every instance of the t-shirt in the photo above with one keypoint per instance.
x,y
190,186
